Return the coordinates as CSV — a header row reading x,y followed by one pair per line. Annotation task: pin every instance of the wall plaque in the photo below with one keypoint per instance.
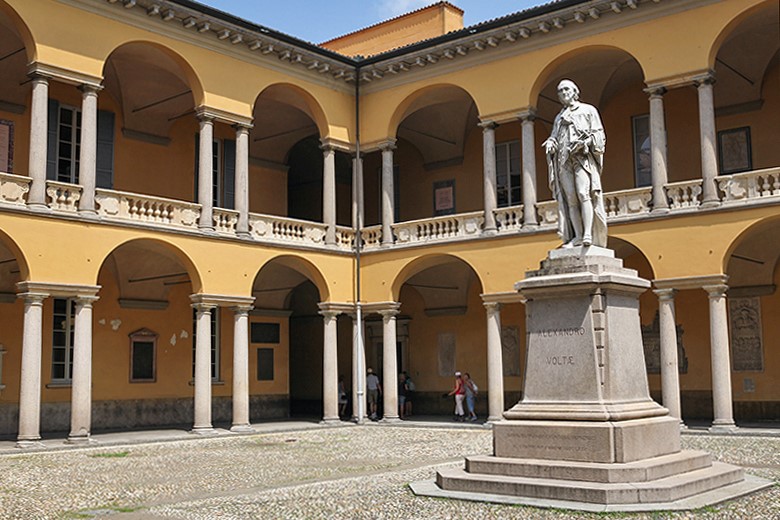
x,y
746,342
446,342
510,350
651,340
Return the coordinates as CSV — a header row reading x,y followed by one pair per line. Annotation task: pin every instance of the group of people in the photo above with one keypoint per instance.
x,y
465,389
406,390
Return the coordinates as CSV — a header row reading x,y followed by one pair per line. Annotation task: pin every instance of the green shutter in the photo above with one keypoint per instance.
x,y
51,139
105,150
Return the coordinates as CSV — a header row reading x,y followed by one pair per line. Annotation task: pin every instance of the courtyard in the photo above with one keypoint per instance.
x,y
301,470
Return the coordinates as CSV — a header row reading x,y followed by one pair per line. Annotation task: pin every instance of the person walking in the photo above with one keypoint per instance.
x,y
459,391
342,397
374,391
471,395
401,395
410,388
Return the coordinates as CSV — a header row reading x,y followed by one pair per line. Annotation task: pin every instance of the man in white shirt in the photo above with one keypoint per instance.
x,y
374,391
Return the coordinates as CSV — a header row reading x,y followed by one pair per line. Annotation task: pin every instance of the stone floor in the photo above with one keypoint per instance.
x,y
302,471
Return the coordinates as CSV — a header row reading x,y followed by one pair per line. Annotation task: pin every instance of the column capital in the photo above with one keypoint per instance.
x,y
329,314
242,310
32,298
388,145
488,125
716,290
203,307
338,308
221,300
707,78
88,89
204,112
492,307
242,128
527,115
655,91
85,300
666,294
503,297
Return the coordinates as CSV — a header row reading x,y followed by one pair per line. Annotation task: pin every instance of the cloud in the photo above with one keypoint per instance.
x,y
391,8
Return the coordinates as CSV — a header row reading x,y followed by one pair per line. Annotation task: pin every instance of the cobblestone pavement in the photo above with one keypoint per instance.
x,y
347,472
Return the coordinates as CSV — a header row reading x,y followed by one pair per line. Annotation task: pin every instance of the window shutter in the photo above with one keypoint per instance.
x,y
229,186
51,139
105,149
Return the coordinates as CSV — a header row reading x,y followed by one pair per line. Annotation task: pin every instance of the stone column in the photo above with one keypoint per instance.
x,y
329,193
529,169
658,151
202,424
495,362
206,173
30,385
670,377
81,386
709,151
389,365
242,180
489,175
721,363
39,122
88,150
358,374
241,370
388,192
330,368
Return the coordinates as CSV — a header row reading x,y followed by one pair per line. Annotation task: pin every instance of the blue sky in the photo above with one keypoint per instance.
x,y
319,20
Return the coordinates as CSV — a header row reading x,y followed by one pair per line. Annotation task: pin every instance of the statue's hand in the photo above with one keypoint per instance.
x,y
550,146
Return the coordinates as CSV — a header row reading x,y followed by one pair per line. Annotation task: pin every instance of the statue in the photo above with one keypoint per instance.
x,y
575,155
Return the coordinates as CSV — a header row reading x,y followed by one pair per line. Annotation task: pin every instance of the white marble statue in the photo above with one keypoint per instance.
x,y
575,154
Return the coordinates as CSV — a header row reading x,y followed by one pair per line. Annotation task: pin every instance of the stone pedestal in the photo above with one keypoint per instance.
x,y
587,435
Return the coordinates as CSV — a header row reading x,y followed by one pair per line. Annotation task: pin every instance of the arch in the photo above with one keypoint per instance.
x,y
163,246
548,70
759,226
16,251
22,29
422,263
301,99
192,78
627,250
731,25
301,265
418,99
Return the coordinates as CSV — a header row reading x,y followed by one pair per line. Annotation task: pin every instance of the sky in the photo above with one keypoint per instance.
x,y
321,20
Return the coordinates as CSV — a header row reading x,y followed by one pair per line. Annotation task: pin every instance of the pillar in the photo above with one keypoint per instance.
x,y
529,169
388,192
489,175
81,385
358,373
39,122
709,151
658,152
206,173
202,423
358,195
670,377
30,385
330,369
495,362
721,363
88,150
242,180
241,370
329,193
389,365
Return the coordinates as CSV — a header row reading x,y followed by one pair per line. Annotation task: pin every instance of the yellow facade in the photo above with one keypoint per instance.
x,y
286,206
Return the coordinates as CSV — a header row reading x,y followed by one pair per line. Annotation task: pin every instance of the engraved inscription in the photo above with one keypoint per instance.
x,y
552,333
559,361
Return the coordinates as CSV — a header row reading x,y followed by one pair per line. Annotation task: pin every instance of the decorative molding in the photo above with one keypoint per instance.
x,y
223,116
70,77
64,290
221,300
691,282
502,297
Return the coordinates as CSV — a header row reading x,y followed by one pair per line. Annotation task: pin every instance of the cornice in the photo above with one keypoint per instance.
x,y
58,289
64,75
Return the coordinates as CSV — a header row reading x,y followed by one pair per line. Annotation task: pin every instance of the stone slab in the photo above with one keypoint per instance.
x,y
749,485
582,441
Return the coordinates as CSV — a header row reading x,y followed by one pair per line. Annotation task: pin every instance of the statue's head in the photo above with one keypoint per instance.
x,y
568,92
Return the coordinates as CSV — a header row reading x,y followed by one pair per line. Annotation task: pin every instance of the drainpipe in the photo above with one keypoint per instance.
x,y
361,353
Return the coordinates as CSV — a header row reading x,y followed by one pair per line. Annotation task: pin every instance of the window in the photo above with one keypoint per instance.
x,y
223,175
63,319
642,159
214,342
509,178
68,144
143,347
265,364
265,333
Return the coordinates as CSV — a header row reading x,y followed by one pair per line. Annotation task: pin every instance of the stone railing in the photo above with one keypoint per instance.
x,y
345,238
13,188
439,228
548,213
225,220
372,237
628,203
510,219
63,196
742,188
684,195
268,228
132,207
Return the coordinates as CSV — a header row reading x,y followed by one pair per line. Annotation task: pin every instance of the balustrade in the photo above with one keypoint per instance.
x,y
509,219
286,230
628,203
63,196
684,195
225,220
13,188
132,207
439,228
741,188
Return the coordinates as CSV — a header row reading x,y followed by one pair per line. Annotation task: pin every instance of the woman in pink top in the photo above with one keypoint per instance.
x,y
460,394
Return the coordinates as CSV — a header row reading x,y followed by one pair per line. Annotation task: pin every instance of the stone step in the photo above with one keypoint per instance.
x,y
666,489
641,471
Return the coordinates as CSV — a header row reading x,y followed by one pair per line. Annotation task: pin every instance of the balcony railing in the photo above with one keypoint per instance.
x,y
753,187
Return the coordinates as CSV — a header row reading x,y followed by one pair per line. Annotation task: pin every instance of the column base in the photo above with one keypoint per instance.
x,y
490,232
204,431
29,444
80,440
40,207
723,428
709,204
659,211
330,420
390,420
532,225
88,213
209,230
244,234
242,428
495,418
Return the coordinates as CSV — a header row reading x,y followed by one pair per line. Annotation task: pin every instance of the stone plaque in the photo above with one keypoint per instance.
x,y
446,342
510,350
746,341
651,341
